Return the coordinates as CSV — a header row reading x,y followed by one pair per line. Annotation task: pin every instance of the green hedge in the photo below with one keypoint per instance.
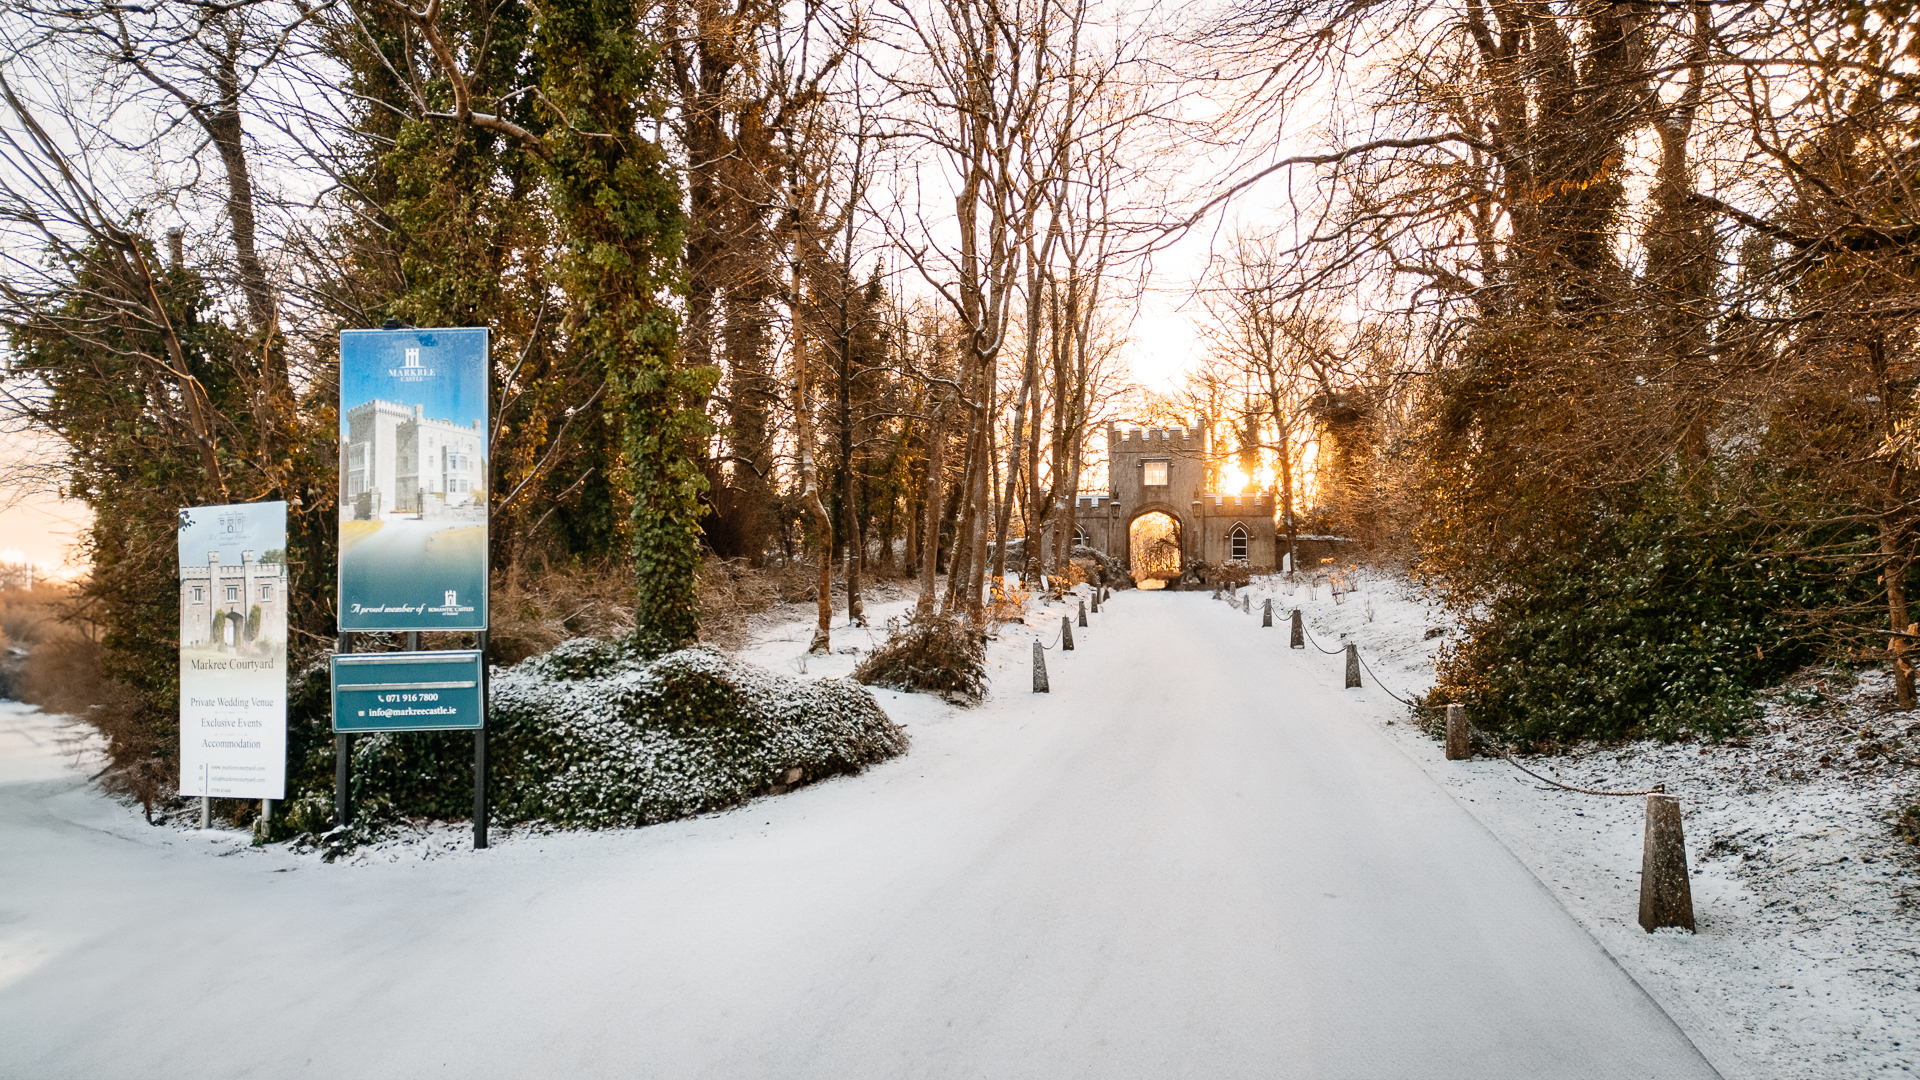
x,y
593,735
1664,626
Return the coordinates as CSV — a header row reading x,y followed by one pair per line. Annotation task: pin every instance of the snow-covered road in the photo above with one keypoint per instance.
x,y
1191,859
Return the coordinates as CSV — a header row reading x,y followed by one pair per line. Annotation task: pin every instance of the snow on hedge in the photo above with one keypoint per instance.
x,y
590,735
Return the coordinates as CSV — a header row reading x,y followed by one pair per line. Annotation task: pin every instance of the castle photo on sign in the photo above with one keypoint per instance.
x,y
413,479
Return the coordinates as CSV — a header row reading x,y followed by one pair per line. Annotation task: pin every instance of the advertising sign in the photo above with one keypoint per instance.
x,y
422,691
413,479
233,651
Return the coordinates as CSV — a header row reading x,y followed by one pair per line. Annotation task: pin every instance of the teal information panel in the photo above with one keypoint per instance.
x,y
414,443
420,691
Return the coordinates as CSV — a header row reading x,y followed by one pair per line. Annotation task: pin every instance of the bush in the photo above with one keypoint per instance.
x,y
593,736
1663,627
936,655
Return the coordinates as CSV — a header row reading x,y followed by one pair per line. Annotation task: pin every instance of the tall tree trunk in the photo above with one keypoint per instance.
x,y
810,479
750,405
1895,576
932,506
960,563
223,129
1016,453
976,602
1286,486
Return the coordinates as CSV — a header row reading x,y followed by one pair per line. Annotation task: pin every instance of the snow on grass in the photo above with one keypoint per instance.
x,y
1809,944
1807,957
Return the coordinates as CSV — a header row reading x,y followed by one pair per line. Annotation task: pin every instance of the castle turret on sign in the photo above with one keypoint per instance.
x,y
1164,470
230,606
396,459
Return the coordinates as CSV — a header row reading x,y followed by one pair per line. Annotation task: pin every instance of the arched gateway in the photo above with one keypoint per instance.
x,y
1163,471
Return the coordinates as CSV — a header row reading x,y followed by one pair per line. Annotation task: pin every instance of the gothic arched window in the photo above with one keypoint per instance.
x,y
1237,543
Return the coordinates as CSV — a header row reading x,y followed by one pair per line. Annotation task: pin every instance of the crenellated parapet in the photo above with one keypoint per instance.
x,y
1149,440
1237,505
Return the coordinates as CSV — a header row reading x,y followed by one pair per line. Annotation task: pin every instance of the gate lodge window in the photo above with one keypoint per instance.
x,y
1237,542
233,593
1154,473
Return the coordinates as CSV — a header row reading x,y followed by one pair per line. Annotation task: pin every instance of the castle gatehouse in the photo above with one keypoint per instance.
x,y
1163,472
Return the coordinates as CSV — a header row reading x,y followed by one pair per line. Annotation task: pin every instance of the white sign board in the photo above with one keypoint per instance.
x,y
233,651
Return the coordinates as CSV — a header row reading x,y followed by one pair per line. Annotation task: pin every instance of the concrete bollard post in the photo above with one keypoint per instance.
x,y
1083,613
1666,897
1096,601
1353,666
1266,613
1459,747
1216,592
1066,634
1299,637
1039,669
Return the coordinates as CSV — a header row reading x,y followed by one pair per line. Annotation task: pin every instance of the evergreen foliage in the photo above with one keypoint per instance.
x,y
134,460
598,735
1660,620
618,205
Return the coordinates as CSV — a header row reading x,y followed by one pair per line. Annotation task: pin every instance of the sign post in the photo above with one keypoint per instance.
x,y
233,653
414,454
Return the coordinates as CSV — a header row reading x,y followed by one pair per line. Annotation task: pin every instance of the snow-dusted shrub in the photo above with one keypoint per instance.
x,y
591,735
931,655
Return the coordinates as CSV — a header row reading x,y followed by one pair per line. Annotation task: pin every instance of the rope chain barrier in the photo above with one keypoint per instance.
x,y
1309,634
1505,753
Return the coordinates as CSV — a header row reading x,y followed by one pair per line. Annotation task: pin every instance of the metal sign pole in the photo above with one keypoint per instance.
x,y
480,755
342,760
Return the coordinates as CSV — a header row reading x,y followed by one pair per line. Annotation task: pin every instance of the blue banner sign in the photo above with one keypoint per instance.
x,y
414,442
419,691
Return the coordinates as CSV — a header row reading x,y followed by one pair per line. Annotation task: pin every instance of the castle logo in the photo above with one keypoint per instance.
x,y
411,370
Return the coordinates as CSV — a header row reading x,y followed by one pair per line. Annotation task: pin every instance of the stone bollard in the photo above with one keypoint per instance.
x,y
1299,638
1666,897
1096,601
1066,634
1039,669
1216,592
1353,666
1459,747
1266,613
1083,613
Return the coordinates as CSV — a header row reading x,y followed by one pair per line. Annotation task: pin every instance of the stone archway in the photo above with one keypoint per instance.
x,y
1156,547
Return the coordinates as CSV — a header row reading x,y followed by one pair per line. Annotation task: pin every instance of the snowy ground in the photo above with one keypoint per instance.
x,y
1807,959
1197,857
